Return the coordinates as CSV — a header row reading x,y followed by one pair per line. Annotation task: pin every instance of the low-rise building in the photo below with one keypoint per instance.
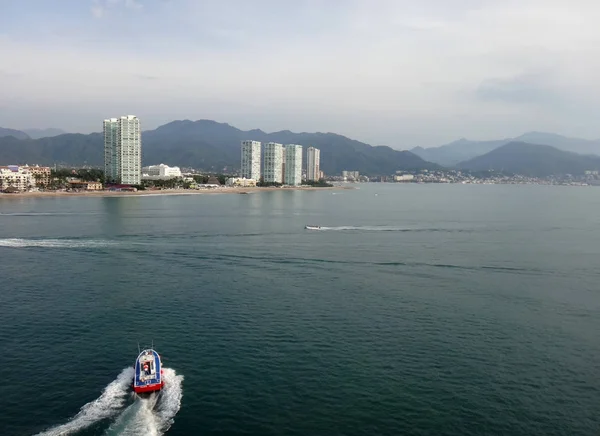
x,y
240,181
404,178
160,172
86,186
16,177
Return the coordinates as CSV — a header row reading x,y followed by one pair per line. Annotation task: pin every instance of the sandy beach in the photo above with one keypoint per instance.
x,y
223,190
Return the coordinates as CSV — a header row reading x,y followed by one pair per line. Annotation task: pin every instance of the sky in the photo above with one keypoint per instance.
x,y
402,73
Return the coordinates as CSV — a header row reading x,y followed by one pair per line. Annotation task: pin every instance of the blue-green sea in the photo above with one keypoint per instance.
x,y
416,310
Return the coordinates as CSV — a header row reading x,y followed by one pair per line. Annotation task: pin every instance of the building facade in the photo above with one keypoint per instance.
x,y
313,164
293,165
350,175
123,150
250,168
86,186
161,172
273,163
241,182
16,177
41,175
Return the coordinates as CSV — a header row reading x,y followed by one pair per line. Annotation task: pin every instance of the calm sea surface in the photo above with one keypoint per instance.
x,y
417,310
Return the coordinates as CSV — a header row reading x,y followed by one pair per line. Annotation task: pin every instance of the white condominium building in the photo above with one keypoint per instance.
x,y
293,165
123,150
273,163
313,163
251,160
16,177
162,171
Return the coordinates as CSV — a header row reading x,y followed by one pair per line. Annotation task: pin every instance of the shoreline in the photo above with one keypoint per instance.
x,y
151,193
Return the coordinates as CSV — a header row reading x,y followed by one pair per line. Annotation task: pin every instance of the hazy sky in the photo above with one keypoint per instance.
x,y
394,72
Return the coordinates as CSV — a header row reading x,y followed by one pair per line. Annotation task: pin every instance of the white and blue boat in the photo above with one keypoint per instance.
x,y
148,372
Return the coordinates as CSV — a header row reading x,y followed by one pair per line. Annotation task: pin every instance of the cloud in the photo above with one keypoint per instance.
x,y
100,8
402,72
146,77
97,10
133,4
521,89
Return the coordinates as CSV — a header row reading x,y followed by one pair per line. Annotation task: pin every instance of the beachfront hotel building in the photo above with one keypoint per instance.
x,y
313,164
273,163
293,165
16,177
123,150
251,160
161,172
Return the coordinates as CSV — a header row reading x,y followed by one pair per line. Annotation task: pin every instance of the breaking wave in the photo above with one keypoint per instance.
x,y
108,405
150,415
55,243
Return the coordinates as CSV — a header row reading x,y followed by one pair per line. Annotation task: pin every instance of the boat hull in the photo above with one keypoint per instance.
x,y
148,388
148,376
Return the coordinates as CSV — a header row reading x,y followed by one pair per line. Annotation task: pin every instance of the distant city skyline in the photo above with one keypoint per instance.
x,y
404,73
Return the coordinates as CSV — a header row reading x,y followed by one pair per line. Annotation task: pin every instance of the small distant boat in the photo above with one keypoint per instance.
x,y
312,227
148,372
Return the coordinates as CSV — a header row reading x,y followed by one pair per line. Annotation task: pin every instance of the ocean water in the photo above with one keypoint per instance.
x,y
416,310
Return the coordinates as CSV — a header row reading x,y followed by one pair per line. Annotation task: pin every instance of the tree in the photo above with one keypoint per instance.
x,y
201,179
321,183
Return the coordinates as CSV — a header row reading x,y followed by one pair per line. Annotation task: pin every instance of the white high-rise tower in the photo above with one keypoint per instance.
x,y
251,160
123,150
313,164
293,165
273,163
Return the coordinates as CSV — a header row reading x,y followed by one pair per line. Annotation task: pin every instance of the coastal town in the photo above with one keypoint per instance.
x,y
262,165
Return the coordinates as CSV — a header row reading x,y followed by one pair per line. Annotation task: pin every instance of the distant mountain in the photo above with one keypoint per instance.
x,y
532,160
12,132
576,145
43,133
450,154
70,148
211,146
464,149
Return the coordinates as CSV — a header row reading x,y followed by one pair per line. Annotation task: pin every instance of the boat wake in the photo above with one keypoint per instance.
x,y
108,405
388,229
54,243
129,413
369,228
153,414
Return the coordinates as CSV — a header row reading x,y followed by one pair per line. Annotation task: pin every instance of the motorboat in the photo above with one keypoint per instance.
x,y
148,375
312,227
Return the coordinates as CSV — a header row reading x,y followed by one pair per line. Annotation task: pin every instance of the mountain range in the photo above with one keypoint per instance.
x,y
210,146
43,133
532,160
215,147
458,151
14,133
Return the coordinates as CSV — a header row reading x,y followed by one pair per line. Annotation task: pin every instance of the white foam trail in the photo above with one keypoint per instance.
x,y
106,406
47,213
54,243
152,415
368,228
